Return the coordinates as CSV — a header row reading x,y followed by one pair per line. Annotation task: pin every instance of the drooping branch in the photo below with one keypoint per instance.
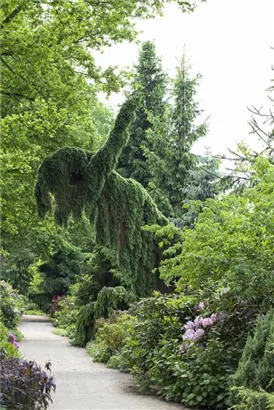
x,y
55,173
105,160
118,207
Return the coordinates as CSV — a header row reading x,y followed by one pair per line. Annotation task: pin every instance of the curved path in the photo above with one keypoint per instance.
x,y
81,383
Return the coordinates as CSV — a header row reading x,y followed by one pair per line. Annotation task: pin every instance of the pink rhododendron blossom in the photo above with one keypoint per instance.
x,y
12,338
189,325
207,322
214,317
198,321
189,335
200,306
199,333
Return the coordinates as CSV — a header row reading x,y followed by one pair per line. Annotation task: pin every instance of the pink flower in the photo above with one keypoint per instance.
x,y
200,306
198,334
214,317
12,338
189,335
207,322
189,325
198,321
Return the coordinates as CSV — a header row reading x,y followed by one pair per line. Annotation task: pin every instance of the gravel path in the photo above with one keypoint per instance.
x,y
81,384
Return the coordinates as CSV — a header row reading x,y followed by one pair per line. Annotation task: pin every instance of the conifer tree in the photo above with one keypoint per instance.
x,y
117,207
252,384
150,88
185,132
171,162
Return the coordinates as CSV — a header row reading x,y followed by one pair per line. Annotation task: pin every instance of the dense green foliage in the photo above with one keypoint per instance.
x,y
110,338
156,348
11,307
150,88
118,207
225,261
256,371
49,85
231,245
158,153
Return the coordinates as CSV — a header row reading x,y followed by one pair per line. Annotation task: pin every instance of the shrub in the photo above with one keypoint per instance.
x,y
11,305
253,399
256,367
108,300
65,316
8,348
110,338
24,385
56,305
159,320
192,367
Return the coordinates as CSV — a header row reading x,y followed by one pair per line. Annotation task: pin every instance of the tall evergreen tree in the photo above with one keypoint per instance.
x,y
171,160
150,89
185,132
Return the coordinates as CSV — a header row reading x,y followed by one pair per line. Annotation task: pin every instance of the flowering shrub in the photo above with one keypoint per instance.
x,y
195,330
24,385
55,305
13,341
184,357
65,316
11,305
8,343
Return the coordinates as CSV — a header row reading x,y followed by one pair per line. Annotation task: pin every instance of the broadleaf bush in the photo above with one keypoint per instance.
x,y
24,385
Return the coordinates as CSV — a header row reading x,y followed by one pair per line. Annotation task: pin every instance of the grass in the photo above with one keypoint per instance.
x,y
60,332
34,312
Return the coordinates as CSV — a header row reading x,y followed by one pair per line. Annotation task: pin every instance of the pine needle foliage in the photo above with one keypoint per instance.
x,y
150,85
256,369
117,207
109,299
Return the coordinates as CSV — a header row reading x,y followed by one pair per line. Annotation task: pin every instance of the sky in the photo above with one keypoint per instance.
x,y
229,43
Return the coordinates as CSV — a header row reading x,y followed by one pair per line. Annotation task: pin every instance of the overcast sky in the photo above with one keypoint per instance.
x,y
229,43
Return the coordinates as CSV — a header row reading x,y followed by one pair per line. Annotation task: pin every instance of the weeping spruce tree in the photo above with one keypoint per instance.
x,y
73,180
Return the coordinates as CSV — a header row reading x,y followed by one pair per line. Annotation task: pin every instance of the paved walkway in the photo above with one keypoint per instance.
x,y
81,384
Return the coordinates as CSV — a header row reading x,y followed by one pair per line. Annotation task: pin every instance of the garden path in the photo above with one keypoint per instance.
x,y
81,383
